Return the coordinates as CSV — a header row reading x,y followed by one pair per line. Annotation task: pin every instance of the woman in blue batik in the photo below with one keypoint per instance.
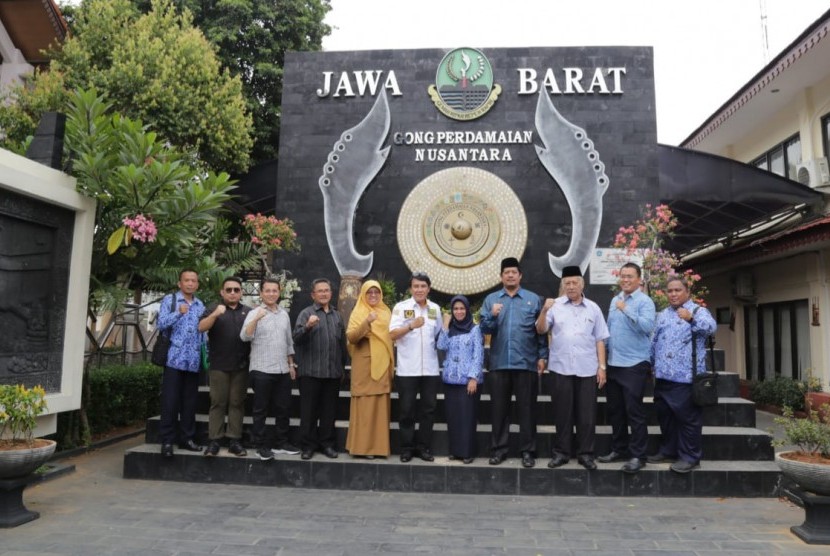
x,y
681,421
463,373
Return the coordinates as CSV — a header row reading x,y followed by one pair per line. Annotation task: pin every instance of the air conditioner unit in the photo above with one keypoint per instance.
x,y
813,172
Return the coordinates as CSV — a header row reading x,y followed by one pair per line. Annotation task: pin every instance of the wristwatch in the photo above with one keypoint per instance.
x,y
602,367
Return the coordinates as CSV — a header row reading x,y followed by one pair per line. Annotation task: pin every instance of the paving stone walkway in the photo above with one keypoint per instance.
x,y
94,511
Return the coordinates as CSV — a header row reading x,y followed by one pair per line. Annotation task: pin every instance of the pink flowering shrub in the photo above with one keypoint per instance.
x,y
645,239
270,233
141,228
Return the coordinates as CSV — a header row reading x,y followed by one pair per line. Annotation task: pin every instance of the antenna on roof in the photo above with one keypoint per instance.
x,y
762,6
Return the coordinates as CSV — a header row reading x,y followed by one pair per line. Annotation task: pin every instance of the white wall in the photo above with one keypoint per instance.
x,y
26,177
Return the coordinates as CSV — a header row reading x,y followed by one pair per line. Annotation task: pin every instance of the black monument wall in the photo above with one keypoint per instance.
x,y
620,124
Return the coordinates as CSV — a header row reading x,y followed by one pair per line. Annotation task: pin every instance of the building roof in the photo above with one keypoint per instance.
x,y
33,26
802,64
718,200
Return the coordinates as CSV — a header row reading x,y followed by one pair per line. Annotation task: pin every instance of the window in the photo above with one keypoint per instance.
x,y
777,340
783,158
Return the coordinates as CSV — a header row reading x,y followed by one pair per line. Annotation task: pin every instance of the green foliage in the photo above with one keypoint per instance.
x,y
129,171
154,67
213,257
780,391
19,408
251,37
119,395
811,435
390,290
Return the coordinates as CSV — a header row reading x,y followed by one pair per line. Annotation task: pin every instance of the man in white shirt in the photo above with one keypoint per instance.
x,y
414,328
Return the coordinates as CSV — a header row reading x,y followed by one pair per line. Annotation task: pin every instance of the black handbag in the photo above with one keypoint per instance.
x,y
705,384
162,345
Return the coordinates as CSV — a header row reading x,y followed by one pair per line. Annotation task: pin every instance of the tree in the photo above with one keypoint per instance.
x,y
644,239
155,210
156,68
252,37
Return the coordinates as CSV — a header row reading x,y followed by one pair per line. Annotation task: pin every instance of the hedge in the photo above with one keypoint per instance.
x,y
780,391
118,395
121,395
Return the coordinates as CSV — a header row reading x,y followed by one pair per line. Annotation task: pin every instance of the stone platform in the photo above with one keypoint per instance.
x,y
739,459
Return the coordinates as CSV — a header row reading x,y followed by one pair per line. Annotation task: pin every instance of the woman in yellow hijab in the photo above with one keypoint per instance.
x,y
372,367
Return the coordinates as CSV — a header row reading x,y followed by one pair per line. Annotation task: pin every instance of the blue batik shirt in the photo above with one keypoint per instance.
x,y
514,343
631,328
465,356
671,346
185,338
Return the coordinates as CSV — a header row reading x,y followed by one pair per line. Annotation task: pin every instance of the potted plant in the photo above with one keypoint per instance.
x,y
20,453
809,466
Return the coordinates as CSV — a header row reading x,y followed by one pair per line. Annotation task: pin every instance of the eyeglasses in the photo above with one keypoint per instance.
x,y
420,276
233,290
372,292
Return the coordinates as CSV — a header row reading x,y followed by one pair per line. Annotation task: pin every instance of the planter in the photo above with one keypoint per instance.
x,y
812,477
19,462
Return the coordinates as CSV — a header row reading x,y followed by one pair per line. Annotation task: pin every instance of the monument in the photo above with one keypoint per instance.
x,y
446,161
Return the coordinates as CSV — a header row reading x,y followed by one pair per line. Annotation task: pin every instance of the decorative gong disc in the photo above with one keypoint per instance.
x,y
457,225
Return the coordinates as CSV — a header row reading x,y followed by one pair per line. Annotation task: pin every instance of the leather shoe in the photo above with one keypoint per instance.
x,y
212,449
498,459
558,460
660,458
528,460
633,466
330,452
406,457
306,454
611,457
683,466
468,461
190,446
426,455
587,462
167,450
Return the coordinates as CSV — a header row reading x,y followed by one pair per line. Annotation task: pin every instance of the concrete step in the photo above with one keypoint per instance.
x,y
719,443
712,479
730,411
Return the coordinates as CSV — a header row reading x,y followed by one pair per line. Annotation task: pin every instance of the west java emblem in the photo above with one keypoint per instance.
x,y
464,87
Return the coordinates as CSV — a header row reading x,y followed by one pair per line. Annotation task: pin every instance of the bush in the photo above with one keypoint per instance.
x,y
121,395
780,391
118,395
810,435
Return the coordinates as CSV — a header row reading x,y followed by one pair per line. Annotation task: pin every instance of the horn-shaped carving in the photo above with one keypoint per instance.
x,y
570,158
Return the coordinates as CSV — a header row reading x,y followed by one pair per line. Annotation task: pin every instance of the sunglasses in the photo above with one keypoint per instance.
x,y
233,290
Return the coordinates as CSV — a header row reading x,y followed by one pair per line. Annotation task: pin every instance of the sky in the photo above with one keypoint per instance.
x,y
704,50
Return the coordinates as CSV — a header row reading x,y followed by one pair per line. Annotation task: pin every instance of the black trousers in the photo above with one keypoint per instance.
x,y
412,410
525,386
574,401
318,411
624,392
272,393
179,392
681,421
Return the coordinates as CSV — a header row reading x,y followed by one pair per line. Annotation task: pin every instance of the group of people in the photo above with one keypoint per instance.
x,y
586,353
566,336
256,347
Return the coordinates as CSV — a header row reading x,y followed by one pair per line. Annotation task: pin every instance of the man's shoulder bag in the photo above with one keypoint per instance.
x,y
705,384
162,345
